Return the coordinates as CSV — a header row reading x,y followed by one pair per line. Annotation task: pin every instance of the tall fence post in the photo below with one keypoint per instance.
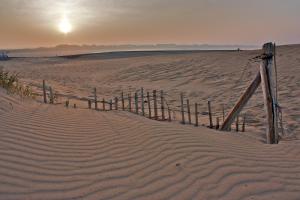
x,y
182,109
143,101
155,105
269,93
162,105
149,104
211,125
123,102
44,91
189,111
95,99
136,103
196,115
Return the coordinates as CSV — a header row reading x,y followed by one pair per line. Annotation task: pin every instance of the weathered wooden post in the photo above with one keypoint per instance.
x,y
211,125
51,95
217,123
169,114
196,115
129,102
90,104
67,103
123,102
244,123
155,105
264,77
189,111
116,103
95,99
136,100
237,124
143,101
162,105
149,104
269,93
182,109
75,106
44,91
103,104
110,104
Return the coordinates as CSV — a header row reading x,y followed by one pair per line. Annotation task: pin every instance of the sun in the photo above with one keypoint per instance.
x,y
65,26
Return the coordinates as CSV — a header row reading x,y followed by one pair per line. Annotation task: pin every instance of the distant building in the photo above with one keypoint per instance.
x,y
3,56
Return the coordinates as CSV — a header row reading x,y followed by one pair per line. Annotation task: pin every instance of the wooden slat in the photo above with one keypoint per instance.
x,y
241,103
182,109
44,91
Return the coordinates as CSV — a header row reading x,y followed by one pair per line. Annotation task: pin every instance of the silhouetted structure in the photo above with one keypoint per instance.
x,y
3,56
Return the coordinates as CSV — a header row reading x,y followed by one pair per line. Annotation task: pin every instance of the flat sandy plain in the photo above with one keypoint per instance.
x,y
50,152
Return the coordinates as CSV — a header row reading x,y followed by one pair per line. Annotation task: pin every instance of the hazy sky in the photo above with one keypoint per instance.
x,y
31,23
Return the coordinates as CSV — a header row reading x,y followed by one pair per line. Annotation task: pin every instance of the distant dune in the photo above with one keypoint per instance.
x,y
62,50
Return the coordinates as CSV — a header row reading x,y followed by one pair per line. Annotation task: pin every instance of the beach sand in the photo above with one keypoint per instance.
x,y
51,152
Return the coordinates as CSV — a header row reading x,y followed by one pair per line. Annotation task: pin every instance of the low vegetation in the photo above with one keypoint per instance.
x,y
11,83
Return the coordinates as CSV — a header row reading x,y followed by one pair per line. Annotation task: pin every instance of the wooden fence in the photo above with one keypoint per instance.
x,y
150,104
155,105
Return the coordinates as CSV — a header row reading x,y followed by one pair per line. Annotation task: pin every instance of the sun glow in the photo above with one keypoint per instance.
x,y
65,26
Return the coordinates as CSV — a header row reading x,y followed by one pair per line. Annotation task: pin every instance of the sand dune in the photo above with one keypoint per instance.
x,y
220,76
50,152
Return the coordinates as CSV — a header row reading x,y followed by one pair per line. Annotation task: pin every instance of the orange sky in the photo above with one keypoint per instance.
x,y
32,23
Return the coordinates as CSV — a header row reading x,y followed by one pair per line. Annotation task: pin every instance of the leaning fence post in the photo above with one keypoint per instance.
x,y
237,124
51,95
189,111
44,91
143,102
149,104
95,99
196,115
155,105
182,109
210,115
123,102
162,105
